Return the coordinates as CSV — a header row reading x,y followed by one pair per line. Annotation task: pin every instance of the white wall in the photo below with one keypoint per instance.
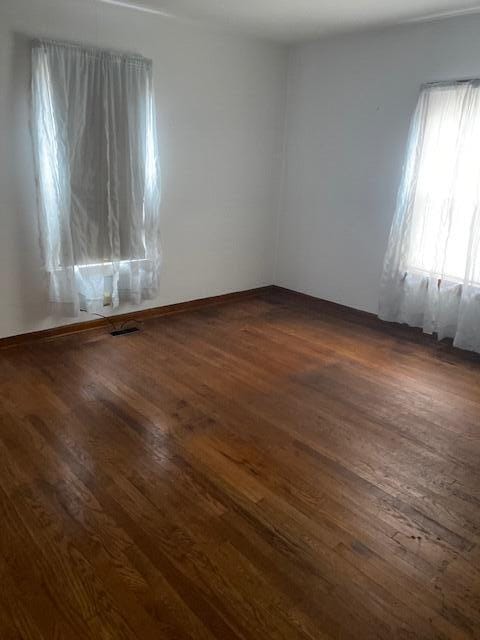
x,y
350,102
221,99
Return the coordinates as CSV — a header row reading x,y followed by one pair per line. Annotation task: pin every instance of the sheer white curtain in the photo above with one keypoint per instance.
x,y
98,178
431,275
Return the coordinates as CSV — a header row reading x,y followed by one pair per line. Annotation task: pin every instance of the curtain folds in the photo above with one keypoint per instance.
x,y
98,175
431,276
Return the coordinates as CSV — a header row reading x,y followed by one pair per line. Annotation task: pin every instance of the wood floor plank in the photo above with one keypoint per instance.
x,y
273,468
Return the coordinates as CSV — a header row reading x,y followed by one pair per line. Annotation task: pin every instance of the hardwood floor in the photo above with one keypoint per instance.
x,y
268,469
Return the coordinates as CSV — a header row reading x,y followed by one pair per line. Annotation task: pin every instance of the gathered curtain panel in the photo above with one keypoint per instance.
x,y
97,174
431,276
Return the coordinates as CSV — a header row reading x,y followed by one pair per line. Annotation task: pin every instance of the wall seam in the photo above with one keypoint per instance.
x,y
283,166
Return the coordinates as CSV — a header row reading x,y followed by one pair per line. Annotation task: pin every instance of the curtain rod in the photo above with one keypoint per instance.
x,y
443,83
38,42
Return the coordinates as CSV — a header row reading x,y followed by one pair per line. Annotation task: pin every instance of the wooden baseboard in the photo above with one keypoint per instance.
x,y
140,315
371,321
334,308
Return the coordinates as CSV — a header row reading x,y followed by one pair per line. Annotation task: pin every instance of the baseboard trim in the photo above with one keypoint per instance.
x,y
370,320
329,306
333,309
140,315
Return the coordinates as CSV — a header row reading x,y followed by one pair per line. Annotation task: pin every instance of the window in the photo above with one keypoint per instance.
x,y
431,275
447,186
96,157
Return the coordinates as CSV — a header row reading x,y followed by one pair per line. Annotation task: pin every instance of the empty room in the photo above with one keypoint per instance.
x,y
239,320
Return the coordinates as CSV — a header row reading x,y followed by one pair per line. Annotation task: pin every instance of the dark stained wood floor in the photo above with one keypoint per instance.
x,y
266,469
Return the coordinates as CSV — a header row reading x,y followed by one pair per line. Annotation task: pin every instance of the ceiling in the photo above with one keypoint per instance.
x,y
293,20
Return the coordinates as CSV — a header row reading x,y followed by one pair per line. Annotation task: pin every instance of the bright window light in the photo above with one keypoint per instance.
x,y
447,186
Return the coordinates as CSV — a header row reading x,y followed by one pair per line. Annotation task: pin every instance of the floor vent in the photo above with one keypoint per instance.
x,y
122,332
